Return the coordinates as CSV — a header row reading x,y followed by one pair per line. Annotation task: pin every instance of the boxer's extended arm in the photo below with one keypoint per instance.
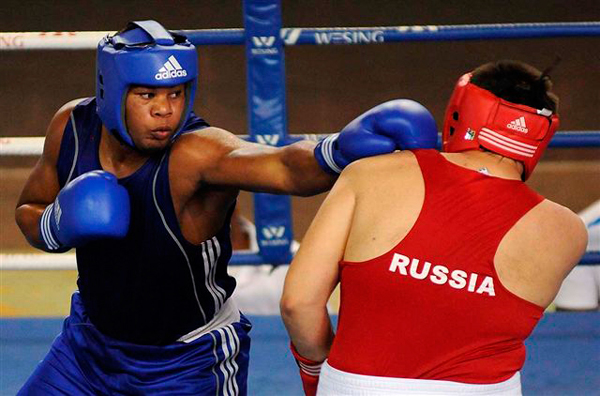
x,y
42,186
217,157
222,159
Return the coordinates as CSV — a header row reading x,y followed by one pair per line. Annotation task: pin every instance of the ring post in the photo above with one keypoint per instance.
x,y
267,119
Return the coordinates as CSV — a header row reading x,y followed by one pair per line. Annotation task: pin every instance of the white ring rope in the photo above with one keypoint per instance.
x,y
15,41
23,146
38,261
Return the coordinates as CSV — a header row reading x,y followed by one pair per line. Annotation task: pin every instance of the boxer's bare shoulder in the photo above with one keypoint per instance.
x,y
389,192
201,154
540,250
393,167
206,145
56,128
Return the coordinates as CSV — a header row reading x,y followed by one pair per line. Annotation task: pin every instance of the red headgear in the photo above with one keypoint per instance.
x,y
477,118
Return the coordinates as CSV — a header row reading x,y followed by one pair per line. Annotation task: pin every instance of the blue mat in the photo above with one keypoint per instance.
x,y
563,355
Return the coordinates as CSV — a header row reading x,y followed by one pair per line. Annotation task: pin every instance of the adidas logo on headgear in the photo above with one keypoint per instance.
x,y
171,69
518,125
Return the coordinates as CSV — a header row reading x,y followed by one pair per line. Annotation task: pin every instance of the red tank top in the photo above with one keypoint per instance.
x,y
433,306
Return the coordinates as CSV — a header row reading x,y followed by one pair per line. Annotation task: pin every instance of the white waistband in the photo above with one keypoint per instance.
x,y
335,382
228,314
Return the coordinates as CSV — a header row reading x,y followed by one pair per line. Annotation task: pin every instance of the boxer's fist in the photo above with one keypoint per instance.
x,y
309,372
92,206
400,124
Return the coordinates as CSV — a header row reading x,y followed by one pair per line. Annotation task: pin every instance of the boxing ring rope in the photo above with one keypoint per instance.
x,y
318,36
264,39
23,146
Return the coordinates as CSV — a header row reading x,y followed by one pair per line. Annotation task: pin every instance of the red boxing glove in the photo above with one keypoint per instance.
x,y
309,372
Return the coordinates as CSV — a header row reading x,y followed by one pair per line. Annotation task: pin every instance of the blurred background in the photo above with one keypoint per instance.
x,y
326,86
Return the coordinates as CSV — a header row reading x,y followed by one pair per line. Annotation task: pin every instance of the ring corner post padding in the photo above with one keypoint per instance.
x,y
267,119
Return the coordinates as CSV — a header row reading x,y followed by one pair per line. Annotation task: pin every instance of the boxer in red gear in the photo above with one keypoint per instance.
x,y
446,261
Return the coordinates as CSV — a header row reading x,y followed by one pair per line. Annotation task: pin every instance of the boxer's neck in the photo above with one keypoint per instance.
x,y
117,157
488,163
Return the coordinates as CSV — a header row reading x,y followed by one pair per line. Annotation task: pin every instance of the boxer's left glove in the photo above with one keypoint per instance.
x,y
400,124
309,372
91,206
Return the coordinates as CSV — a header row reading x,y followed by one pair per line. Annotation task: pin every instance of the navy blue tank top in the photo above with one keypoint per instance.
x,y
153,286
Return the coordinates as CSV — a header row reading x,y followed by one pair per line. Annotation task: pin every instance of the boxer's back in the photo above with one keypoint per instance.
x,y
444,272
390,194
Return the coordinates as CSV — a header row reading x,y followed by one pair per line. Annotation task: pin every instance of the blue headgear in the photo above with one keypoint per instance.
x,y
144,53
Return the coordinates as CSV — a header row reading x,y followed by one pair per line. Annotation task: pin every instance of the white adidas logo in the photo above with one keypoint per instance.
x,y
171,69
518,125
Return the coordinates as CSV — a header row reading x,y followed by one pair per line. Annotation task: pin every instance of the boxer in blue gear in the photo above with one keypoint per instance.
x,y
144,190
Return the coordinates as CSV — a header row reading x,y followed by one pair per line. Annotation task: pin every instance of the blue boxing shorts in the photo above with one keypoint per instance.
x,y
83,361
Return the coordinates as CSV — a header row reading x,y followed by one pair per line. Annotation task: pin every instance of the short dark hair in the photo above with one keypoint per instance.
x,y
517,82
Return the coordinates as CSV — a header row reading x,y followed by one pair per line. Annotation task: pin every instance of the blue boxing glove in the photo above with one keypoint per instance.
x,y
400,124
92,206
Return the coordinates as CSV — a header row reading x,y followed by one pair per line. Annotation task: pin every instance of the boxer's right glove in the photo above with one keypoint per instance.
x,y
92,206
309,372
400,124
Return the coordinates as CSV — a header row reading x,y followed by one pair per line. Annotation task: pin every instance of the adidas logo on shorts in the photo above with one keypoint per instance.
x,y
518,125
171,69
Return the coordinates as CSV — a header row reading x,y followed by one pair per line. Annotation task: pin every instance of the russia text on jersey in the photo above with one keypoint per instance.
x,y
440,275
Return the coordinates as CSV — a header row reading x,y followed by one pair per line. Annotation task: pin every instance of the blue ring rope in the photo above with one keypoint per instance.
x,y
590,258
566,139
576,139
390,34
